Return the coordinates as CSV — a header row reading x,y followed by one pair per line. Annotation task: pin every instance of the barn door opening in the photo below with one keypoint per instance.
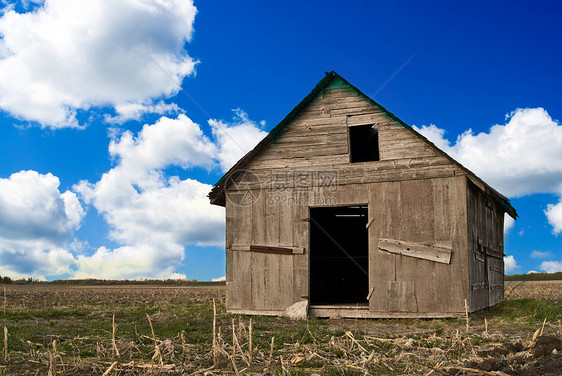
x,y
339,255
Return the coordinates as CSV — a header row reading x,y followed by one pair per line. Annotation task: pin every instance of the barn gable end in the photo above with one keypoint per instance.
x,y
314,135
286,201
318,136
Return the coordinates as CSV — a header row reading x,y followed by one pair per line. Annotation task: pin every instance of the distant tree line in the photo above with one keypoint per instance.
x,y
535,277
106,282
21,281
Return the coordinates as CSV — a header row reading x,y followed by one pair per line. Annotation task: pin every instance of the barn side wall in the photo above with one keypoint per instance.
x,y
485,249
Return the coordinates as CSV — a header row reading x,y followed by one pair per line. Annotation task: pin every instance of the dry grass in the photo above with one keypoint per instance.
x,y
551,290
144,330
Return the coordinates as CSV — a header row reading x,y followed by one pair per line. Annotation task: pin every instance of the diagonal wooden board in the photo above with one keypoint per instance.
x,y
422,251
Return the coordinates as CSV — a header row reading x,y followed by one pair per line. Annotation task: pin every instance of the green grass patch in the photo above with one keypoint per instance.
x,y
528,311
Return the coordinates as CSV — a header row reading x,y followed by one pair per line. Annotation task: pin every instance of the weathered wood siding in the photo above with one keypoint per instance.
x,y
317,140
261,281
431,212
485,249
414,194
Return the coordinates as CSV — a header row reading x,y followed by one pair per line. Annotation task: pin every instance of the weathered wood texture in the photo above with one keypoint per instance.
x,y
260,280
414,194
429,212
417,250
364,313
317,140
485,249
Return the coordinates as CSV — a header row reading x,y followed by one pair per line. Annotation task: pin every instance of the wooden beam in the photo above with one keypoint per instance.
x,y
422,251
254,312
267,249
363,312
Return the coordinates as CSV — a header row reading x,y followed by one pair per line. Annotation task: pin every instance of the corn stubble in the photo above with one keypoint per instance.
x,y
153,330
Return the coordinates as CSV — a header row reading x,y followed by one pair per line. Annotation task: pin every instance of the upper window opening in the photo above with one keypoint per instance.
x,y
364,143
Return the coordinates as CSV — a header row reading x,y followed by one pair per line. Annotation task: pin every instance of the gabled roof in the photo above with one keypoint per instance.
x,y
217,194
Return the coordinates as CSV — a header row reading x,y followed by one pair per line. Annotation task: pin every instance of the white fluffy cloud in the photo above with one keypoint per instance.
x,y
508,223
151,214
154,215
522,152
554,216
135,111
234,140
517,158
510,264
540,255
141,204
66,56
141,260
36,222
551,266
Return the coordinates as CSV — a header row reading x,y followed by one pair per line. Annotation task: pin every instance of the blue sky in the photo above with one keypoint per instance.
x,y
106,161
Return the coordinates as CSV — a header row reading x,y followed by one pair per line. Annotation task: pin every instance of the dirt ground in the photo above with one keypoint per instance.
x,y
139,330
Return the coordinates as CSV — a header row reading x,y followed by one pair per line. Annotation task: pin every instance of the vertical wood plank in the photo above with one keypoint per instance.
x,y
287,214
258,221
272,286
384,205
233,287
271,211
258,280
460,283
238,224
286,281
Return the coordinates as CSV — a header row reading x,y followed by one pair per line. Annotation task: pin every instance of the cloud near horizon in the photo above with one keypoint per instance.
x,y
511,265
522,150
70,56
37,224
151,214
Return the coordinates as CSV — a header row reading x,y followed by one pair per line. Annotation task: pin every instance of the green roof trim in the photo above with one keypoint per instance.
x,y
329,77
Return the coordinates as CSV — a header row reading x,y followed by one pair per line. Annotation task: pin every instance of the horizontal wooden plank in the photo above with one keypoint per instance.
x,y
479,286
304,151
359,110
293,163
339,92
421,251
254,312
308,143
496,269
308,121
363,170
369,118
351,176
267,249
312,138
319,311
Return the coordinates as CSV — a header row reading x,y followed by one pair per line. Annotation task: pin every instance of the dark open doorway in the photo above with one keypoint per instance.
x,y
339,255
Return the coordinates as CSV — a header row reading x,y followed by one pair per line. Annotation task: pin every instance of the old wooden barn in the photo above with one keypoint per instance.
x,y
346,207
